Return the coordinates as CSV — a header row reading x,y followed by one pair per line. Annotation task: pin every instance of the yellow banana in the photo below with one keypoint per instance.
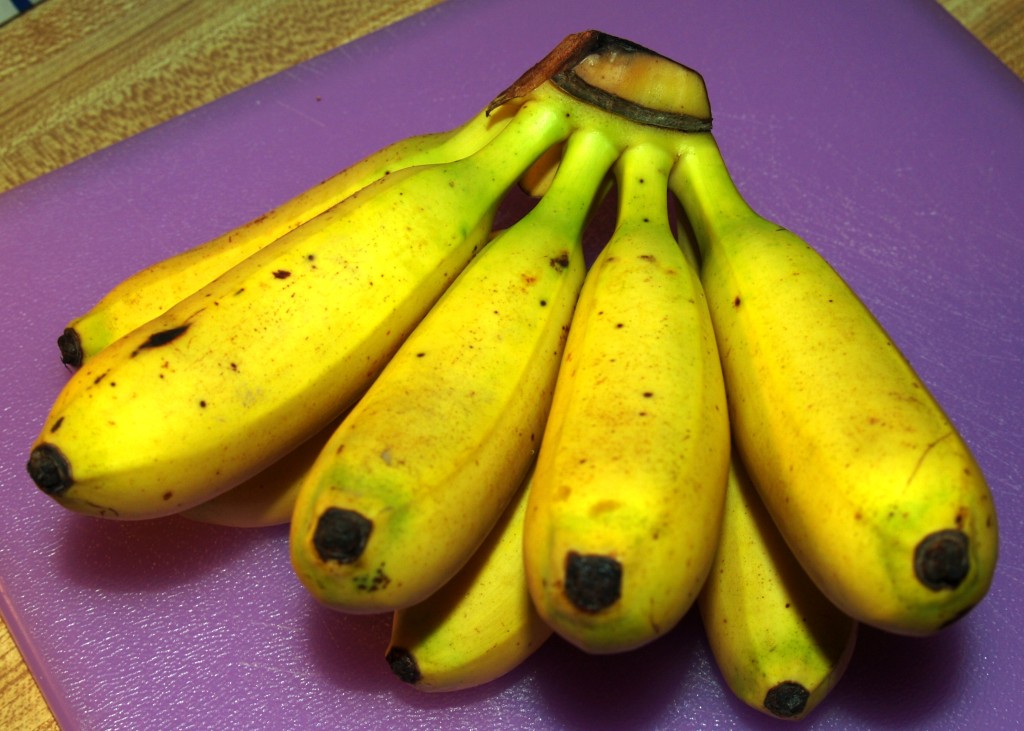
x,y
780,645
869,482
420,471
478,626
241,372
150,292
629,486
268,497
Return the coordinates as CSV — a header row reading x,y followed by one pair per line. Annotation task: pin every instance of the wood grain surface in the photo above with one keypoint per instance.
x,y
79,75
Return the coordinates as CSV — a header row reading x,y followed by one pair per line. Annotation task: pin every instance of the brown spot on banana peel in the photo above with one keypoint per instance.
x,y
341,535
592,582
372,582
50,469
159,339
786,700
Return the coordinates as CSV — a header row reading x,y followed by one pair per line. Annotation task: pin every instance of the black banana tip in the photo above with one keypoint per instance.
x,y
341,535
70,348
403,664
941,560
592,582
50,469
786,700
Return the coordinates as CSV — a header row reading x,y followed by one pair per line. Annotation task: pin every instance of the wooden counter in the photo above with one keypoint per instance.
x,y
78,76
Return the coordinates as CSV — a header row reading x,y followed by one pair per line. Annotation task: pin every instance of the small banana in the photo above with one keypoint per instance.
x,y
478,626
420,471
630,481
780,645
869,482
238,374
268,497
153,290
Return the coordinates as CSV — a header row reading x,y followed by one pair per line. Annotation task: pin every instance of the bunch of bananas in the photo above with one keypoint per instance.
x,y
473,430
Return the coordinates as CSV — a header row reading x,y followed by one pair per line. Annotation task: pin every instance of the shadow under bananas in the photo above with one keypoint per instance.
x,y
151,555
897,682
347,650
623,690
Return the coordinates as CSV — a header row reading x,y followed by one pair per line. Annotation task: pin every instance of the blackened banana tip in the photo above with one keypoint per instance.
x,y
403,664
592,582
70,345
50,469
941,559
341,535
786,700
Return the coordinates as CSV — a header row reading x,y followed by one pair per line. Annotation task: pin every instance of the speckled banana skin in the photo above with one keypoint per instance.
x,y
628,491
871,485
423,467
155,289
241,372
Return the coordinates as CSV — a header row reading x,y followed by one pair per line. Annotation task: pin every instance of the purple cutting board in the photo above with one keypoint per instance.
x,y
880,131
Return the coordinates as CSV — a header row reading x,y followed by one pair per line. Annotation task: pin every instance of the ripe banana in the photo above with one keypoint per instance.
x,y
420,471
869,482
152,291
240,373
478,626
628,491
268,497
780,645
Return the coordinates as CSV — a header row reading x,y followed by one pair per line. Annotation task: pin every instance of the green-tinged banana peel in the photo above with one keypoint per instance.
x,y
419,472
478,626
778,642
